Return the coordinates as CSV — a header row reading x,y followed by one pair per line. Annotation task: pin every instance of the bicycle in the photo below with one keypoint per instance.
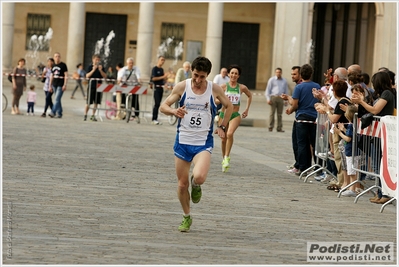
x,y
5,102
110,112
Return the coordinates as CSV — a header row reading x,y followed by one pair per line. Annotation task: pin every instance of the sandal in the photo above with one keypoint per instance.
x,y
334,187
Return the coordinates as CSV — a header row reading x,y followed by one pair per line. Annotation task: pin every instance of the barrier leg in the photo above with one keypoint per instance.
x,y
349,185
387,203
128,107
310,174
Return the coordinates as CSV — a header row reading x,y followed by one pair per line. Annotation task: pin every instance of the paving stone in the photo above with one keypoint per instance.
x,y
105,193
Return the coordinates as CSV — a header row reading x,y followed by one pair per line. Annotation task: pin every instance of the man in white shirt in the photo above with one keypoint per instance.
x,y
276,87
129,75
221,78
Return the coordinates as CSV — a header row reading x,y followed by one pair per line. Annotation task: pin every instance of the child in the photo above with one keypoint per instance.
x,y
31,100
349,173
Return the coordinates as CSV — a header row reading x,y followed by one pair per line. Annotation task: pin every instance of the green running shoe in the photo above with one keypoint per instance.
x,y
225,164
185,224
196,192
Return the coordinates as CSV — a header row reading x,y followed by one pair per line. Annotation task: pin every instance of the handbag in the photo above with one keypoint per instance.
x,y
366,120
10,77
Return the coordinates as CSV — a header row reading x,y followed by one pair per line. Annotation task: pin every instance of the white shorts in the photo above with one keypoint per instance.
x,y
349,168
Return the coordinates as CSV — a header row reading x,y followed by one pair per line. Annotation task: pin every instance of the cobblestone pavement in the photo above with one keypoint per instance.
x,y
104,192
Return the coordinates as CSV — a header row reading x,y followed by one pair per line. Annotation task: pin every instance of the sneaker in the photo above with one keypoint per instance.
x,y
291,166
137,119
225,164
293,170
322,155
196,192
349,193
92,118
59,117
185,224
51,115
156,122
320,177
43,115
326,179
85,117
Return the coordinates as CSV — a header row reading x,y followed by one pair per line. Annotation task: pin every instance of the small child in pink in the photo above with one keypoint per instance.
x,y
31,100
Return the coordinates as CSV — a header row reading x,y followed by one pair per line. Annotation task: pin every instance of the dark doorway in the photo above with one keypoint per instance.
x,y
240,46
343,35
106,35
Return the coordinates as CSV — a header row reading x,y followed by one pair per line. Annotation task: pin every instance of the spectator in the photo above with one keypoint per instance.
x,y
183,73
276,87
340,89
95,73
303,103
79,75
383,105
233,90
296,78
128,76
346,155
366,81
222,77
18,85
158,77
31,100
170,82
58,81
46,88
118,67
111,75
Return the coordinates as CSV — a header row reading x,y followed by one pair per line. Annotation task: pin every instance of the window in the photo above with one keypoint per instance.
x,y
172,35
38,32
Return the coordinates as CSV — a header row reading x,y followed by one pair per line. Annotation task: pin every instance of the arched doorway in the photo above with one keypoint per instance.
x,y
343,34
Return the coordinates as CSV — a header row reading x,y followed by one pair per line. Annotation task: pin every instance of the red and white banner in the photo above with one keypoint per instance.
x,y
374,129
110,88
388,168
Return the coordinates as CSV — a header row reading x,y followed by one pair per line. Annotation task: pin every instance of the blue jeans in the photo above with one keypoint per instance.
x,y
306,137
57,107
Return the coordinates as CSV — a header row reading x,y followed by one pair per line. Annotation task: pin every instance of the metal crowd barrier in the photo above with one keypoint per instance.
x,y
102,89
321,147
366,148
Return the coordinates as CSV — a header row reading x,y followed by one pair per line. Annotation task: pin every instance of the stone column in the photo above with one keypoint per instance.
x,y
214,34
292,33
144,39
8,11
76,35
385,45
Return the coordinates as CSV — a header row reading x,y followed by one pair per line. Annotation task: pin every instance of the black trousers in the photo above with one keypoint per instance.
x,y
158,93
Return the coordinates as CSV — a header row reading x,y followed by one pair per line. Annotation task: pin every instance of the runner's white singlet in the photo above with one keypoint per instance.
x,y
196,127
